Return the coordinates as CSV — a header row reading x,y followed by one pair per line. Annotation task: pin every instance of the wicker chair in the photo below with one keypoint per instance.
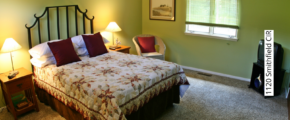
x,y
158,41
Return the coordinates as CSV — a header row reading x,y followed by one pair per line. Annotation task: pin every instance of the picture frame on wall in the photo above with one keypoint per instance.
x,y
162,10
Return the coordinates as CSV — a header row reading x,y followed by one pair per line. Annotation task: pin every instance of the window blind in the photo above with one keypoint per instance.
x,y
218,13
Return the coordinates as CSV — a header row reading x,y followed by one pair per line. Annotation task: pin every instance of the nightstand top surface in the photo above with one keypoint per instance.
x,y
122,47
22,73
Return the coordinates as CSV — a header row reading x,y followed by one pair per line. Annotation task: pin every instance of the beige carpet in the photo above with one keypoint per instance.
x,y
219,98
45,113
208,97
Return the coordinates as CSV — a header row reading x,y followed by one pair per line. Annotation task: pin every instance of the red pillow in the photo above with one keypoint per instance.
x,y
147,44
95,44
63,52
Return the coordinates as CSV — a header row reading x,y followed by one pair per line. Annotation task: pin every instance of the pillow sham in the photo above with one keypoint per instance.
x,y
147,44
79,41
42,51
63,52
95,44
42,62
82,51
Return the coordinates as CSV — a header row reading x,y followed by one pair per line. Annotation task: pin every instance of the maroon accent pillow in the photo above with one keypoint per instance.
x,y
147,44
95,44
63,52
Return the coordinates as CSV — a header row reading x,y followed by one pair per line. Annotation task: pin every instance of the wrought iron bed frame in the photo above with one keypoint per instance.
x,y
58,24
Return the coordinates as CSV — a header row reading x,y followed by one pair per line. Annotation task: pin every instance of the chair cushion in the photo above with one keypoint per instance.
x,y
155,55
147,44
151,54
95,44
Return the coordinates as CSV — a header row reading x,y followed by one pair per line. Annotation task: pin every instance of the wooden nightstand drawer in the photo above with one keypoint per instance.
x,y
19,85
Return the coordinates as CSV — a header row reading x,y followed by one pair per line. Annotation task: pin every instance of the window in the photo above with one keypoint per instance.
x,y
214,18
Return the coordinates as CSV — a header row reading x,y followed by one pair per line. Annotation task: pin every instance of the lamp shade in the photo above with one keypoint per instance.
x,y
10,45
113,27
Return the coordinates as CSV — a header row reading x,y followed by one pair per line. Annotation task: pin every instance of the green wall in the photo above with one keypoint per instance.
x,y
228,57
16,13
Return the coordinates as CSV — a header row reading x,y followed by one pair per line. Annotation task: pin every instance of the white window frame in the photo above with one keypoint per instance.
x,y
211,34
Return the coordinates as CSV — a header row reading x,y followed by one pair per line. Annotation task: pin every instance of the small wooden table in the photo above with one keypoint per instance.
x,y
21,82
123,49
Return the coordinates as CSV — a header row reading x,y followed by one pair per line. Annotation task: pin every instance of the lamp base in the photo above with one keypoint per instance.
x,y
12,74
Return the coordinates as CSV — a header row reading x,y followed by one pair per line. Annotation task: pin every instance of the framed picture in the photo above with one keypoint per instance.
x,y
162,10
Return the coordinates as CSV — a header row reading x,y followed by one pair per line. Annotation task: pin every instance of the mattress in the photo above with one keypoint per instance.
x,y
111,85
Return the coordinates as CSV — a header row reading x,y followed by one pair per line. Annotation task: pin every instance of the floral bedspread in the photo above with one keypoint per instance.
x,y
109,86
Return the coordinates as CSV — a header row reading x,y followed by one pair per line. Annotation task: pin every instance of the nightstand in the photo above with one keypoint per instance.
x,y
123,49
21,82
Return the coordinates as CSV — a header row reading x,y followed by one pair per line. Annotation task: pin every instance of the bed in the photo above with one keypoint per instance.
x,y
111,86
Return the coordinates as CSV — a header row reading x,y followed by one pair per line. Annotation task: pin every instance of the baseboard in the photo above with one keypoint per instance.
x,y
216,73
229,76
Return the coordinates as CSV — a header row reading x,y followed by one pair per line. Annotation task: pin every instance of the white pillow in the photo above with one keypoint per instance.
x,y
41,63
44,61
42,51
82,51
80,43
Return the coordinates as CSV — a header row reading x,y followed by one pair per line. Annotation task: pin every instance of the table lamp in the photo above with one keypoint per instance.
x,y
113,27
10,45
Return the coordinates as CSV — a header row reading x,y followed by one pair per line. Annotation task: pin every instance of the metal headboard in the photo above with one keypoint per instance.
x,y
67,22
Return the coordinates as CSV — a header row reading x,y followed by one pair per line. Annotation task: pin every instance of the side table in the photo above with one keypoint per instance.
x,y
21,82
